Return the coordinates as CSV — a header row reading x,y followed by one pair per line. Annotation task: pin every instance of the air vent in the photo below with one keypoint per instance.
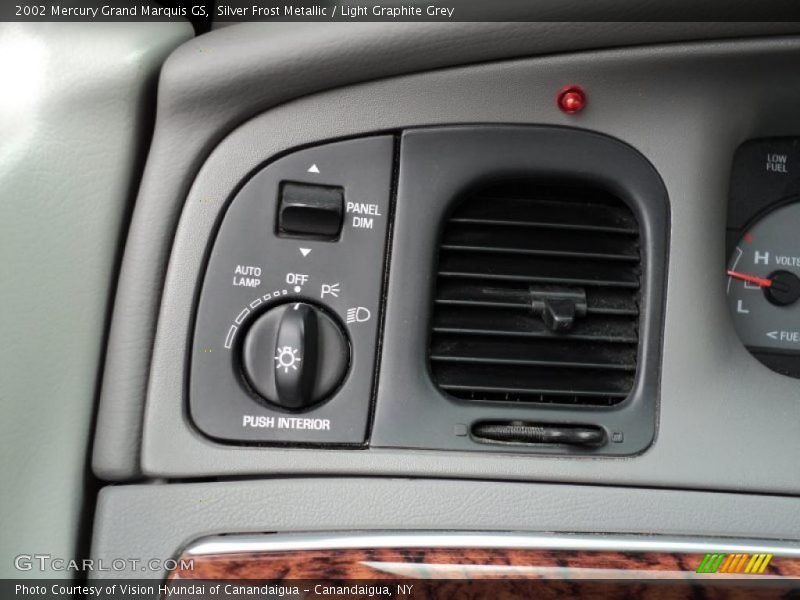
x,y
537,297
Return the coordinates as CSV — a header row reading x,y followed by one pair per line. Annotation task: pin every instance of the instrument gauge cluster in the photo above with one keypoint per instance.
x,y
763,270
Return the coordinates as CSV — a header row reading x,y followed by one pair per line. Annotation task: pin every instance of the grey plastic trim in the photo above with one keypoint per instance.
x,y
479,539
726,422
160,521
216,82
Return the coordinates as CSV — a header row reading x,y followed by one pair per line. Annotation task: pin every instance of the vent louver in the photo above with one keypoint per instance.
x,y
537,297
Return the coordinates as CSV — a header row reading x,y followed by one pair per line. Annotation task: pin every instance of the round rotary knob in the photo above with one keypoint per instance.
x,y
295,355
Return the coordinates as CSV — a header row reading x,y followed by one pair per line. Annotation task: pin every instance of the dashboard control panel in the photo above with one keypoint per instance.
x,y
288,327
286,332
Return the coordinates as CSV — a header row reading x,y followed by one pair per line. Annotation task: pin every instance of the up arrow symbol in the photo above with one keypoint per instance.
x,y
313,168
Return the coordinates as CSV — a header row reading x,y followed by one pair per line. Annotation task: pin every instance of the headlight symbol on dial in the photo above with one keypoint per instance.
x,y
764,287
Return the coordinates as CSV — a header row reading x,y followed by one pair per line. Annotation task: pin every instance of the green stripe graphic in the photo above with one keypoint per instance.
x,y
710,563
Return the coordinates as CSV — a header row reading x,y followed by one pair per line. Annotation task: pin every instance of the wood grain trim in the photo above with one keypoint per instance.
x,y
460,563
500,573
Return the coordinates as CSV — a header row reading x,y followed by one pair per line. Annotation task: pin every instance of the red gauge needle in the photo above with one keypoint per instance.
x,y
759,281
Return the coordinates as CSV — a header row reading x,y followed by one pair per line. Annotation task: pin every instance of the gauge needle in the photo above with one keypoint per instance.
x,y
759,281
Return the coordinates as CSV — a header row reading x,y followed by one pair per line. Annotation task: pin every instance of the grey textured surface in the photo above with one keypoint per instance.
x,y
221,79
158,521
70,115
726,422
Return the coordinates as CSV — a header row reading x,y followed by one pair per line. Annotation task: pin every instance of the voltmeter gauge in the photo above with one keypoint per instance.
x,y
764,289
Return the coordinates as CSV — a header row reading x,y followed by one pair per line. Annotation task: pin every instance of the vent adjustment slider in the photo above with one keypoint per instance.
x,y
558,307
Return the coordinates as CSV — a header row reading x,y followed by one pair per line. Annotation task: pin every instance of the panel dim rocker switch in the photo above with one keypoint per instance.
x,y
310,211
295,356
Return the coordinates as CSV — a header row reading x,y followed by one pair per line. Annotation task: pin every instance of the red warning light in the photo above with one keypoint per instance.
x,y
748,237
571,99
